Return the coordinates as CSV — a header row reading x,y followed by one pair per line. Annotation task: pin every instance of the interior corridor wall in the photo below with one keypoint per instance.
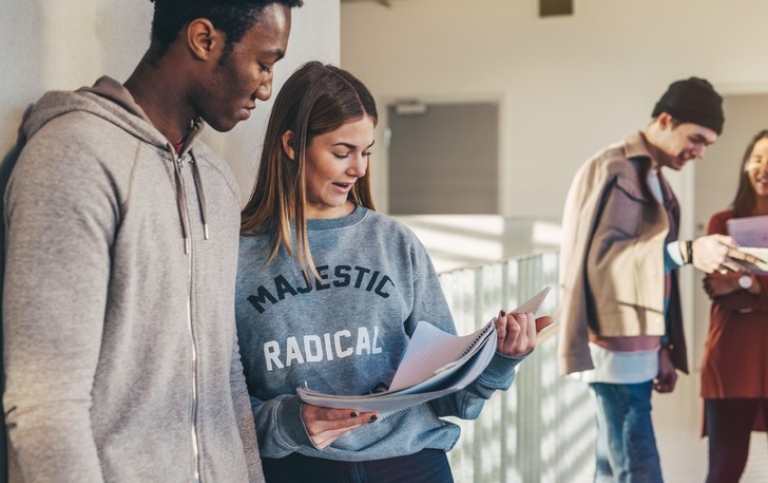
x,y
567,86
51,44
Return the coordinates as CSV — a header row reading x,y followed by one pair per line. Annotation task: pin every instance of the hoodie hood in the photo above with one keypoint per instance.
x,y
107,99
111,101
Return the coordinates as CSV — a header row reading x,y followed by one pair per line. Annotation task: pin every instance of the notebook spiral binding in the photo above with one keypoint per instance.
x,y
488,327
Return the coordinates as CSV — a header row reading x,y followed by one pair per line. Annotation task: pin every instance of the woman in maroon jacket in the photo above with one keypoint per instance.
x,y
734,378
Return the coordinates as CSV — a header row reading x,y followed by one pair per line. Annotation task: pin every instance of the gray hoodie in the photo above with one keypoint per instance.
x,y
121,355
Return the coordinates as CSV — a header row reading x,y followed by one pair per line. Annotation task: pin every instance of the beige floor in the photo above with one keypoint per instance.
x,y
677,421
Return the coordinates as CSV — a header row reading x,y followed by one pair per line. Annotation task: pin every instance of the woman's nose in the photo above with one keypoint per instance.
x,y
359,165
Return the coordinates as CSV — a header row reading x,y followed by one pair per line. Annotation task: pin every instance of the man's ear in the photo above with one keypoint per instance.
x,y
202,38
665,120
287,140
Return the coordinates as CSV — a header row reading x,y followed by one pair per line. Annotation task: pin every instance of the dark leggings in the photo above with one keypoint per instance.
x,y
729,427
426,466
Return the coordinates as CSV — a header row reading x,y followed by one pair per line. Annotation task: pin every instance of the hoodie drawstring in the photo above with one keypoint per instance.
x,y
181,200
181,203
200,193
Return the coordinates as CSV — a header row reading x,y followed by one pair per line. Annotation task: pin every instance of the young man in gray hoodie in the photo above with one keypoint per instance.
x,y
121,357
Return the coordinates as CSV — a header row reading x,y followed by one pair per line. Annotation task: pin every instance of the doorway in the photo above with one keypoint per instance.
x,y
443,158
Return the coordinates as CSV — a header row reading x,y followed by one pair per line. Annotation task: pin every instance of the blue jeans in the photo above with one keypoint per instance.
x,y
625,448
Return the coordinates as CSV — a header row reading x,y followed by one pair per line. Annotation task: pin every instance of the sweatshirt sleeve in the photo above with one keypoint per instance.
x,y
280,426
467,403
60,214
244,417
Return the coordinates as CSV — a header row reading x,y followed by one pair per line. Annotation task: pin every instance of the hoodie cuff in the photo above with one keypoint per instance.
x,y
295,433
500,373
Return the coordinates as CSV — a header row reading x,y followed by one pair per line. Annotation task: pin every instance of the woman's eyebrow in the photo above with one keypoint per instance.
x,y
349,145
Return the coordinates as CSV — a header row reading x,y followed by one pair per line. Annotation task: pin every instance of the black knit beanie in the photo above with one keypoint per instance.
x,y
693,100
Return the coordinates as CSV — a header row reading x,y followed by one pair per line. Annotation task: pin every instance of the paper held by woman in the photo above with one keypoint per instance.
x,y
435,364
751,233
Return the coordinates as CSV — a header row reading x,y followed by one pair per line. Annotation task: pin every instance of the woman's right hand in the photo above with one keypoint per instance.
x,y
324,425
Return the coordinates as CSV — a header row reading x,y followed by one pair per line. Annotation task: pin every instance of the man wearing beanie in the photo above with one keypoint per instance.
x,y
621,325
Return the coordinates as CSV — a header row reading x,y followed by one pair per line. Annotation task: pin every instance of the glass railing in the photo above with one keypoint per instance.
x,y
542,429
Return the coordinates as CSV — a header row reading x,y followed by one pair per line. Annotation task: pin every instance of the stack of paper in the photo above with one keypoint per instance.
x,y
751,234
435,364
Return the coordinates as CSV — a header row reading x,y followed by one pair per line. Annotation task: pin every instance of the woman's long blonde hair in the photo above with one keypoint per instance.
x,y
316,99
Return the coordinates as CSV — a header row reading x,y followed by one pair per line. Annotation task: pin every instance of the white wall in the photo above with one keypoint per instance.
x,y
66,44
569,85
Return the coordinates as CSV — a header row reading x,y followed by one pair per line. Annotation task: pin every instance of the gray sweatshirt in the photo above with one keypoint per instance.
x,y
346,334
120,347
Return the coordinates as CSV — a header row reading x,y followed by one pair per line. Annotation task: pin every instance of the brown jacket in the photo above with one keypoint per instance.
x,y
612,256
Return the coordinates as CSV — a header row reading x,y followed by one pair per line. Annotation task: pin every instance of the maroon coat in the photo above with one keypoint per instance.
x,y
736,353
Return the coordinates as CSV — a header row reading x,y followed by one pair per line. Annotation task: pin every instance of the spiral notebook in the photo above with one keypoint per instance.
x,y
434,364
432,354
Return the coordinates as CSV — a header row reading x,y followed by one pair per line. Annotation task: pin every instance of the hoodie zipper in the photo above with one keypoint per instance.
x,y
193,344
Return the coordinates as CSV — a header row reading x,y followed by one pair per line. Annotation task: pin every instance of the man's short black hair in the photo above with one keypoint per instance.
x,y
233,17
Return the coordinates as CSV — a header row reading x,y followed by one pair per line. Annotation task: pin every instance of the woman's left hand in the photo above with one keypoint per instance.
x,y
718,284
517,332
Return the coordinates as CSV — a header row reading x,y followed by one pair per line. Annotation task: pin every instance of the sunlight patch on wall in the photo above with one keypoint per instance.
x,y
455,241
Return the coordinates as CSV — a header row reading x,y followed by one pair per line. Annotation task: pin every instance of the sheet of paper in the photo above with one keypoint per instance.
x,y
434,364
388,402
458,375
533,304
430,350
761,253
749,232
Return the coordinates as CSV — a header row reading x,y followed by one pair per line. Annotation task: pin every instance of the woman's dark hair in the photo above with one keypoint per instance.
x,y
233,17
745,201
315,99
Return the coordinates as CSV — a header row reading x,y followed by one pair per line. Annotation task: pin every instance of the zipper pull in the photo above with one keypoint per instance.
x,y
177,158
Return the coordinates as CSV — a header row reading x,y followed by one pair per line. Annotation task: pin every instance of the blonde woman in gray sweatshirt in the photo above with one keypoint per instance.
x,y
330,291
